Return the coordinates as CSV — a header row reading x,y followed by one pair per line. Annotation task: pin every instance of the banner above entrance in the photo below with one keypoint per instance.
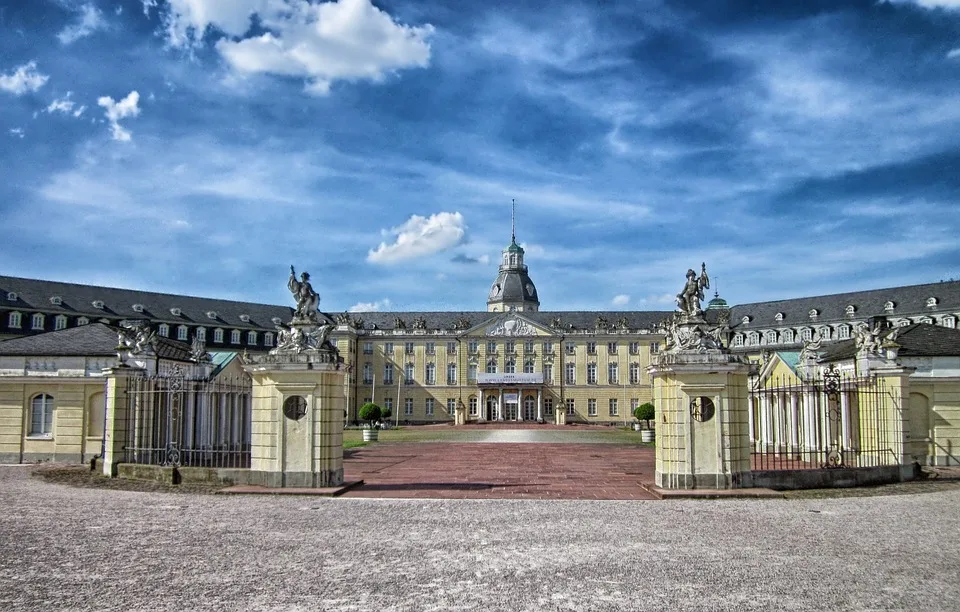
x,y
510,379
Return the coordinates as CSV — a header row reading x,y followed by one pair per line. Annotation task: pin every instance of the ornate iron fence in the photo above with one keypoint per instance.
x,y
830,422
173,420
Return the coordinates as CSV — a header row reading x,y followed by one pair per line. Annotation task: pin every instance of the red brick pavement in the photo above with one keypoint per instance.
x,y
500,471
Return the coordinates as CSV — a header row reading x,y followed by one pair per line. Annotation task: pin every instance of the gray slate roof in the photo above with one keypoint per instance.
x,y
916,340
580,320
911,300
118,303
95,339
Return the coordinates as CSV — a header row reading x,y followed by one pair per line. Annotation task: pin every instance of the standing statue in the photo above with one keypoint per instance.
x,y
688,300
307,299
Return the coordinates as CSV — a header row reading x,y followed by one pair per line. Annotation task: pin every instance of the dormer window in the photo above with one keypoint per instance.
x,y
932,302
778,317
164,330
276,320
813,314
888,307
175,312
212,314
850,310
138,308
83,321
12,296
245,318
56,300
98,304
745,320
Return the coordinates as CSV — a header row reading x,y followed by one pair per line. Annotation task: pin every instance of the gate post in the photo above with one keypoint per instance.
x,y
117,415
894,381
703,431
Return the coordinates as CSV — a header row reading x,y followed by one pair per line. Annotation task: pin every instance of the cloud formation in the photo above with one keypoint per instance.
x,y
319,42
421,236
370,306
90,20
23,79
65,106
466,259
115,111
621,300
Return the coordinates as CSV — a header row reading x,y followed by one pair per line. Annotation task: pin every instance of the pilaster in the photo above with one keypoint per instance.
x,y
117,416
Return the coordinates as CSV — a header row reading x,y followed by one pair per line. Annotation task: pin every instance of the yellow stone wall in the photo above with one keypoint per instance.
x,y
935,411
72,438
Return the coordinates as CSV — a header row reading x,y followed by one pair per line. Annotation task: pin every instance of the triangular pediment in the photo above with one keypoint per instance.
x,y
508,325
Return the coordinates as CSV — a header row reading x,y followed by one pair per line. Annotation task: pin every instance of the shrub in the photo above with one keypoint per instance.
x,y
645,412
370,413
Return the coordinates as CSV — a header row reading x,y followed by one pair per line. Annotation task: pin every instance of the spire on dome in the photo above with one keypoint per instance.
x,y
513,220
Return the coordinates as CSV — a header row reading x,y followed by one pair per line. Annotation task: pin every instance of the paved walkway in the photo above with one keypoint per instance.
x,y
513,464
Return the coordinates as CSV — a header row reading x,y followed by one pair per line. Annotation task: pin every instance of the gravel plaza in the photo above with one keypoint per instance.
x,y
70,548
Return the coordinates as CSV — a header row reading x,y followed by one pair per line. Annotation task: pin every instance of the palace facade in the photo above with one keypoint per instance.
x,y
511,361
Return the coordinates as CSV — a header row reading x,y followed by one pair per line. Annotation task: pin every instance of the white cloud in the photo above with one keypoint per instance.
x,y
16,132
421,236
24,78
320,42
115,111
930,4
370,306
65,106
621,300
953,53
90,20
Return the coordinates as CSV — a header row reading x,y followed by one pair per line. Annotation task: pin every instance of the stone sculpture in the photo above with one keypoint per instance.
x,y
307,299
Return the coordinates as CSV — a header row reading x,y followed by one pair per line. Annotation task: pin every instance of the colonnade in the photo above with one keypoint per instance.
x,y
500,407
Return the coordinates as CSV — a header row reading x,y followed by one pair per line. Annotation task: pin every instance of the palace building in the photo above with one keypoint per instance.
x,y
511,361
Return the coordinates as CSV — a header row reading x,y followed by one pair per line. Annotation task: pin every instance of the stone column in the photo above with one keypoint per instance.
x,y
119,412
794,422
500,405
766,424
844,419
810,436
751,420
520,404
298,409
539,404
712,451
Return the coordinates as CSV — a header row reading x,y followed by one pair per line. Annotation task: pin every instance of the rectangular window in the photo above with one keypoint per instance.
x,y
251,338
451,348
472,372
528,346
571,407
268,339
473,406
201,334
591,348
431,374
571,348
388,403
164,330
591,407
548,406
548,348
218,336
491,347
511,367
473,347
634,348
511,347
368,348
368,373
388,374
591,373
408,374
611,348
429,406
235,336
388,348
451,373
408,348
451,406
613,374
571,374
654,348
614,409
634,373
182,332
408,406
36,321
431,348
14,320
548,373
60,322
528,367
634,402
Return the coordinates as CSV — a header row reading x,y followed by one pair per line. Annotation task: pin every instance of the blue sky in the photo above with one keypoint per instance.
x,y
203,146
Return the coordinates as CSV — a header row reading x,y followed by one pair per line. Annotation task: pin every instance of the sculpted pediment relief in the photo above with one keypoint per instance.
x,y
508,325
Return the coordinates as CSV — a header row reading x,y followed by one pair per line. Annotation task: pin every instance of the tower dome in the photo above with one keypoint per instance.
x,y
513,290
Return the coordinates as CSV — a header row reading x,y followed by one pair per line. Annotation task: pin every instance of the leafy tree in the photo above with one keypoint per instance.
x,y
370,413
645,412
386,413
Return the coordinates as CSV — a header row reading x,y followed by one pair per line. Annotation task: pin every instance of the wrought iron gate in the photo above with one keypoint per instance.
x,y
173,420
829,422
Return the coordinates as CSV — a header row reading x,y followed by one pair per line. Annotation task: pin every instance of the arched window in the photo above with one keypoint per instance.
x,y
14,320
252,338
753,338
60,322
770,336
41,415
510,366
451,373
613,374
218,336
163,330
787,336
591,373
235,336
738,340
183,332
491,366
408,374
634,373
268,339
528,366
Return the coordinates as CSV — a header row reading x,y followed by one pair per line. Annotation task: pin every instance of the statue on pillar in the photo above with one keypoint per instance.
x,y
307,299
689,299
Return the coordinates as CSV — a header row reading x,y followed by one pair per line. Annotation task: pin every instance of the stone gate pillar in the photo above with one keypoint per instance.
x,y
117,415
703,434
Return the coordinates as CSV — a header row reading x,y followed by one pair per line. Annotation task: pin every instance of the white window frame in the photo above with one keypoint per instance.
x,y
428,406
15,320
409,373
592,407
431,374
235,336
613,373
591,373
473,406
451,373
60,322
37,320
570,374
614,408
408,406
251,338
268,339
183,332
218,336
451,406
41,416
571,406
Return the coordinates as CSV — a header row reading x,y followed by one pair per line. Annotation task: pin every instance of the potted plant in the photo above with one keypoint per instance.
x,y
645,412
370,413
